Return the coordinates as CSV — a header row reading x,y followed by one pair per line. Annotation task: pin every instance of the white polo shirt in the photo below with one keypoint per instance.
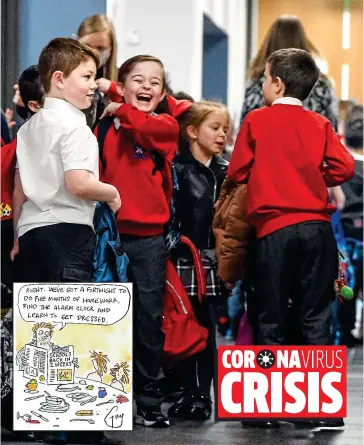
x,y
53,141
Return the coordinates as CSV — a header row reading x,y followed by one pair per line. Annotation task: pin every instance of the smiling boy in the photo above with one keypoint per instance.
x,y
56,182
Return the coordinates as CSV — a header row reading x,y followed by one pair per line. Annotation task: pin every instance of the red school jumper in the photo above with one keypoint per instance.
x,y
289,156
128,163
8,162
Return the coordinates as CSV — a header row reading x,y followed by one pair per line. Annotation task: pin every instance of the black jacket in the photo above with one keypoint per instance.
x,y
199,189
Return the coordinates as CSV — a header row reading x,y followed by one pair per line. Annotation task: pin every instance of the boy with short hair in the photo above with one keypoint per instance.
x,y
56,182
289,156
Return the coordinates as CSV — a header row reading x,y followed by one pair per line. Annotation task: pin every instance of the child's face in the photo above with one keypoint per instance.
x,y
100,41
80,85
272,88
211,134
143,87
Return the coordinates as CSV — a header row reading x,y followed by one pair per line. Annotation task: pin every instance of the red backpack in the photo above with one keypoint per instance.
x,y
184,336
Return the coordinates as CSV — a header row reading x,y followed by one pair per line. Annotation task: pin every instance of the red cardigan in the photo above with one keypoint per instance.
x,y
290,156
128,163
8,162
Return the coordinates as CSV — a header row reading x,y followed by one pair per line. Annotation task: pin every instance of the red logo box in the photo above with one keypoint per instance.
x,y
281,381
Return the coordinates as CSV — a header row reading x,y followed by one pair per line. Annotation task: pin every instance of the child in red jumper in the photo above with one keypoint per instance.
x,y
137,159
290,156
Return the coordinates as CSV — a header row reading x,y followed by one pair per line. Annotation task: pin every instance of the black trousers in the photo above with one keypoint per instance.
x,y
7,266
147,271
299,262
56,253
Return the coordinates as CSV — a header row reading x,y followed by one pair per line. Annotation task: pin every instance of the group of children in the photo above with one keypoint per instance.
x,y
286,155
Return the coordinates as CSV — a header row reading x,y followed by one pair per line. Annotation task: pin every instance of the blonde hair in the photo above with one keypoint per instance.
x,y
99,23
195,116
285,32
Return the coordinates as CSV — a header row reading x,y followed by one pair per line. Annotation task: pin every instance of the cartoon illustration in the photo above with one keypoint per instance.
x,y
99,362
54,390
102,392
27,418
120,375
32,385
5,210
41,358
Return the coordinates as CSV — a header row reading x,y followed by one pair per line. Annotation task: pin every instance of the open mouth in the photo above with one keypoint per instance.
x,y
144,97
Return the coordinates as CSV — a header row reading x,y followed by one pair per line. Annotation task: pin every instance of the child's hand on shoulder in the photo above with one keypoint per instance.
x,y
103,85
111,109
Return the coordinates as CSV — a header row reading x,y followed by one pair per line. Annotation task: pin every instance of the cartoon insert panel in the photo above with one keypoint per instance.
x,y
73,357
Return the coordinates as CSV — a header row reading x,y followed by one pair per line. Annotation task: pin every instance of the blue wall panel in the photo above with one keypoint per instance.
x,y
42,20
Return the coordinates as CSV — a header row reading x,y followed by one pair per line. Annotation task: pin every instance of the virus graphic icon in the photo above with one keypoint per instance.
x,y
266,358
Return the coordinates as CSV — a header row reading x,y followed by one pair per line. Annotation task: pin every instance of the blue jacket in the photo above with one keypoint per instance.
x,y
110,261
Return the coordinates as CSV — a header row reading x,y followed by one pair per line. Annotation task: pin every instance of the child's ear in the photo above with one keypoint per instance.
x,y
279,85
191,132
34,106
120,89
57,78
163,95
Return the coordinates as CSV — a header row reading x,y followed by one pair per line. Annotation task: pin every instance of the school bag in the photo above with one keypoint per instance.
x,y
184,336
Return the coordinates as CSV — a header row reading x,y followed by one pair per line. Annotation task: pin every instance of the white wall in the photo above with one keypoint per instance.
x,y
173,31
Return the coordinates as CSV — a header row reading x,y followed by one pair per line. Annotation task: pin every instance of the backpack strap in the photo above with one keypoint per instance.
x,y
102,129
200,273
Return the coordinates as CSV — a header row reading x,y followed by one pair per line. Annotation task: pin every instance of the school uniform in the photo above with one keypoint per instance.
x,y
289,156
136,158
55,228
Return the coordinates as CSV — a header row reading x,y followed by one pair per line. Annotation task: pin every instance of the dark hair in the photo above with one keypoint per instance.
x,y
63,54
285,32
354,127
297,70
129,64
30,87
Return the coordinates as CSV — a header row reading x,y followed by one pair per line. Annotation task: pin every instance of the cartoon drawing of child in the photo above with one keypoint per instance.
x,y
120,375
42,336
99,362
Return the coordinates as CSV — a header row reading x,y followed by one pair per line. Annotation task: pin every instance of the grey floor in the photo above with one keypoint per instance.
x,y
231,433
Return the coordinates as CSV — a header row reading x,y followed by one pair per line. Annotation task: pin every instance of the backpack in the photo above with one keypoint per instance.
x,y
184,336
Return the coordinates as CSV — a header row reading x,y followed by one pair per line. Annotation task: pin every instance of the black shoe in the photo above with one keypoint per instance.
x,y
267,424
320,425
152,418
199,409
180,408
328,425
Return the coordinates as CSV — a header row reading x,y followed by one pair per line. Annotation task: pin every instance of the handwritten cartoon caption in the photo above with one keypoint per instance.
x,y
90,303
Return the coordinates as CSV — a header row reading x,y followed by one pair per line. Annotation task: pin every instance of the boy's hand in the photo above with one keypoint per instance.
x,y
115,203
103,85
9,114
15,250
338,197
111,109
17,100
